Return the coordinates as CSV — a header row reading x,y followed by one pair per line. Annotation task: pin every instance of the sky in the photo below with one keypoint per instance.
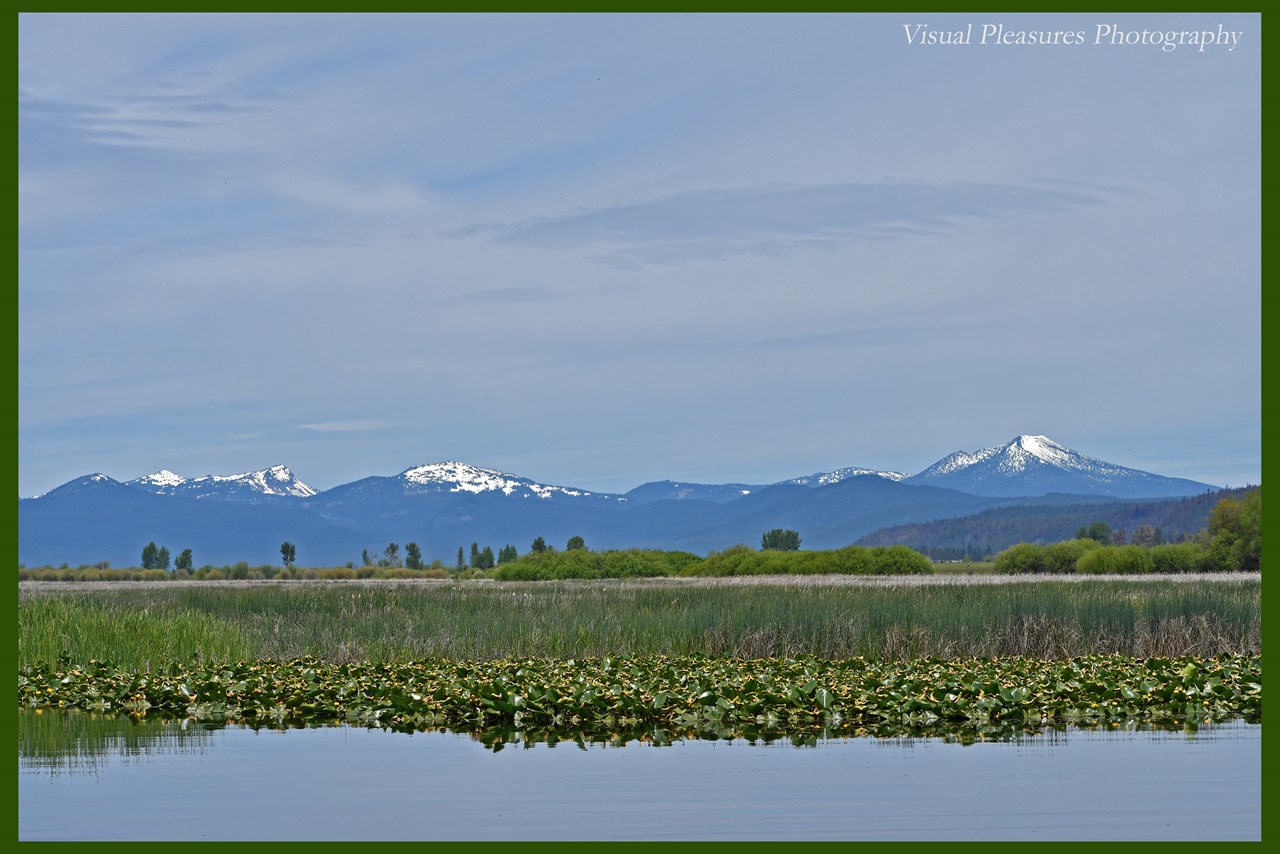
x,y
600,250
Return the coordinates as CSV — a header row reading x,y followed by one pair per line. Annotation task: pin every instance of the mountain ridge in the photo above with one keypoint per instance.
x,y
442,506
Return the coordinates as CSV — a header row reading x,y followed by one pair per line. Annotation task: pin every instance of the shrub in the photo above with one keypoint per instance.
x,y
1180,557
1022,558
1061,558
1116,560
900,560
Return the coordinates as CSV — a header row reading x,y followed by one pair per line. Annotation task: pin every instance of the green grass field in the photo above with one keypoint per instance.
x,y
889,619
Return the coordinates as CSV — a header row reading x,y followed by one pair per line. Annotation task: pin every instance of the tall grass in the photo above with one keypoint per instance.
x,y
390,622
84,626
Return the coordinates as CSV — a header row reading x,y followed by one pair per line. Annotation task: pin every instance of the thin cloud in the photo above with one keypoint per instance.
x,y
780,220
355,426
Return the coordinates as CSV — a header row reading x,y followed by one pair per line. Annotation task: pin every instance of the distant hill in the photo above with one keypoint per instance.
x,y
990,531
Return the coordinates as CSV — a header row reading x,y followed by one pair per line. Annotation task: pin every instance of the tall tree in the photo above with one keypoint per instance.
x,y
288,553
392,551
149,554
780,539
162,558
184,560
413,556
575,542
1235,533
539,546
462,561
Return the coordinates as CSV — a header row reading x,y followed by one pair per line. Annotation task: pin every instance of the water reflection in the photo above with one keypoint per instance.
x,y
71,741
89,777
75,741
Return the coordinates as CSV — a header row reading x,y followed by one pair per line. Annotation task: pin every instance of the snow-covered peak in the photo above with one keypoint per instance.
x,y
1016,455
277,480
1025,448
454,476
830,477
1036,465
164,477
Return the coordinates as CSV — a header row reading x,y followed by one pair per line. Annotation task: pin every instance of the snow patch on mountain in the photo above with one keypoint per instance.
x,y
830,477
1036,465
1024,452
164,477
277,480
455,476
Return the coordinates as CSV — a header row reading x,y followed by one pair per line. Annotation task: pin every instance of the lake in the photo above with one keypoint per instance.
x,y
85,777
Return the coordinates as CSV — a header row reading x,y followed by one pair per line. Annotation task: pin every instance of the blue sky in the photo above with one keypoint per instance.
x,y
598,250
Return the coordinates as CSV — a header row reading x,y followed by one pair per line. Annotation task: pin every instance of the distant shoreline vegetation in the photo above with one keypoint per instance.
x,y
1231,542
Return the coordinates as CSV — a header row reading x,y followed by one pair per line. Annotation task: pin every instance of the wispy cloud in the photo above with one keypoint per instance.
x,y
354,426
770,220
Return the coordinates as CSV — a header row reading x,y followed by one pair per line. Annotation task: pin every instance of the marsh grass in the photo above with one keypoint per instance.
x,y
392,622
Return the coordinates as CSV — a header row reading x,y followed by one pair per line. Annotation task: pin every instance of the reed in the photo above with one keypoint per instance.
x,y
392,622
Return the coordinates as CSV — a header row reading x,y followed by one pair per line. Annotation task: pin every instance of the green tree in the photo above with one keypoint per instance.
x,y
507,554
184,560
392,551
149,555
462,561
575,542
475,555
288,553
779,539
413,556
486,558
1098,531
162,558
539,546
1235,533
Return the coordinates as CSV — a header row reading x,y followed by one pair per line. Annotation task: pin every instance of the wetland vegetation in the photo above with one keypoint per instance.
x,y
713,655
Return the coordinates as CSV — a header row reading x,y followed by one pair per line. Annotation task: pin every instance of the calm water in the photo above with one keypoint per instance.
x,y
113,780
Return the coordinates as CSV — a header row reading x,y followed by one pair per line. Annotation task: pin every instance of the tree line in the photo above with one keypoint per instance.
x,y
982,535
1231,541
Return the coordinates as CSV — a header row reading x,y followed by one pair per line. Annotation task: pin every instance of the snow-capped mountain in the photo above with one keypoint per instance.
x,y
442,506
454,476
1037,465
277,481
447,481
89,483
829,477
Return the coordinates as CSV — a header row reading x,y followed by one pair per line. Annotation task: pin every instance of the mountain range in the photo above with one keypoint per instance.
x,y
441,506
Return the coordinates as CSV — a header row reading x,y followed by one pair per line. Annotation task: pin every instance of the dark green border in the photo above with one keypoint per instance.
x,y
1269,253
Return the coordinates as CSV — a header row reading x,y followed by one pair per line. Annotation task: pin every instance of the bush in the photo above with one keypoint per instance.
x,y
1116,560
1182,557
1061,558
899,560
1022,558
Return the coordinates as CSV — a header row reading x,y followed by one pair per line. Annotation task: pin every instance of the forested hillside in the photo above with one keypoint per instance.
x,y
983,534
